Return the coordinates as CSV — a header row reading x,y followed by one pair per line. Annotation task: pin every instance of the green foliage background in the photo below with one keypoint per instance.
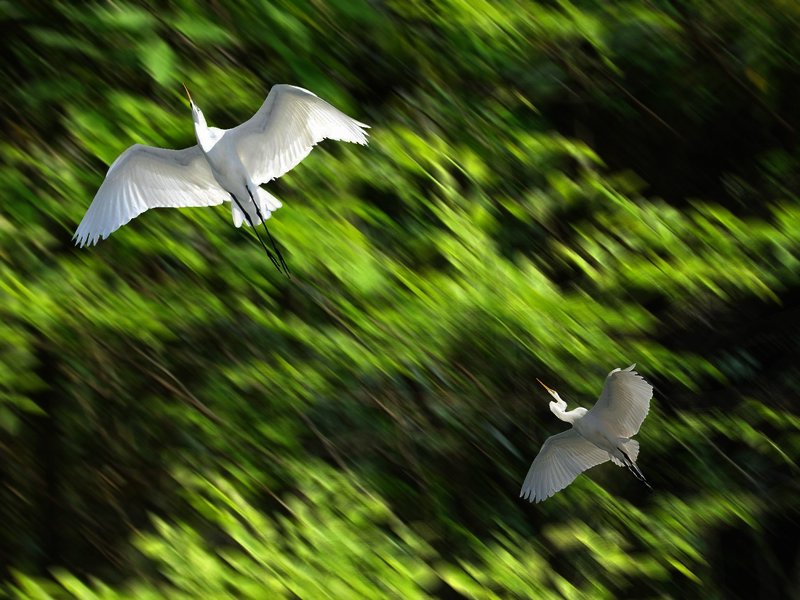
x,y
552,189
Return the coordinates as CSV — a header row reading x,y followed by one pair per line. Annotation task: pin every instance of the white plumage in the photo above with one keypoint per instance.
x,y
624,402
562,458
597,435
224,163
285,129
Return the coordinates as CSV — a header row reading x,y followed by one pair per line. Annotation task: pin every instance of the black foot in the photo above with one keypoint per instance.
x,y
634,468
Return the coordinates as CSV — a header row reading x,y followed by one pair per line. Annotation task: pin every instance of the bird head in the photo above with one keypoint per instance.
x,y
197,114
552,392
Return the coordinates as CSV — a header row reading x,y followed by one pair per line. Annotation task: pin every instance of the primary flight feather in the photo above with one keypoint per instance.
x,y
597,435
225,164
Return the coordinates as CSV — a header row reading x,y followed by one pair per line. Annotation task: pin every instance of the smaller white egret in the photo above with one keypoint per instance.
x,y
225,165
597,435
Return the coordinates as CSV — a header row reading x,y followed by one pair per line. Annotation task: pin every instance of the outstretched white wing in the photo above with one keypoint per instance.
x,y
145,177
562,458
624,403
285,129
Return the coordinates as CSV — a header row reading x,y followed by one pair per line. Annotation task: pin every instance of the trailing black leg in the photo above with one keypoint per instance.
x,y
272,241
634,468
250,221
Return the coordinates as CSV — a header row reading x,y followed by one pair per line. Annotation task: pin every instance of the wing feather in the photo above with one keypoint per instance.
x,y
145,177
562,458
286,128
624,403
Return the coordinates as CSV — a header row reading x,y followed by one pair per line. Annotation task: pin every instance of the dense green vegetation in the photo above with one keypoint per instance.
x,y
552,189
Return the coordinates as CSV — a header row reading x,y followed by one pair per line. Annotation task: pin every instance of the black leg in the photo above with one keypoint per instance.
x,y
272,241
634,468
249,220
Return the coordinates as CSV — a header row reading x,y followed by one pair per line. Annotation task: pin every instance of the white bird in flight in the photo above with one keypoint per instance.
x,y
225,165
597,435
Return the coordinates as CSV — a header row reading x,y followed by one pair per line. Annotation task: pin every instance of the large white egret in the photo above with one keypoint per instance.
x,y
597,435
225,165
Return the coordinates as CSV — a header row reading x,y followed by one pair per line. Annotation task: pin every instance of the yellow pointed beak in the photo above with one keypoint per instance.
x,y
188,95
544,386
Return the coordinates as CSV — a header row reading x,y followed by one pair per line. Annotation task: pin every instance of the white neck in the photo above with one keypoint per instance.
x,y
559,409
201,132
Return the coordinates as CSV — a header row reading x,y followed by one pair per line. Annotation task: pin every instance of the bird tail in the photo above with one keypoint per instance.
x,y
267,204
629,447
